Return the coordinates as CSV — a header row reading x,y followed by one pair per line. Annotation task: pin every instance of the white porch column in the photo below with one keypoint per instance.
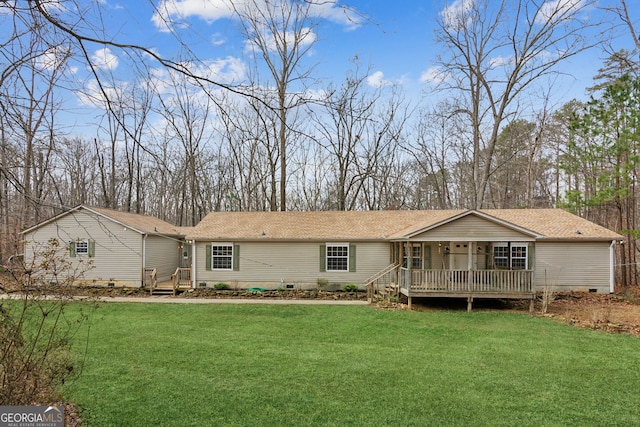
x,y
193,265
612,266
470,256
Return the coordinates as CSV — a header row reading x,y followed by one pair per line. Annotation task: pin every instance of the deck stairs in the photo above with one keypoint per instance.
x,y
180,282
163,288
383,285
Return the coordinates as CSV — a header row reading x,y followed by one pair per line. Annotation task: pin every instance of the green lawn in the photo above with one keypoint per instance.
x,y
255,365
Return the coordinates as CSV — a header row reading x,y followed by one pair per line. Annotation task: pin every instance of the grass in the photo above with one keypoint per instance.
x,y
239,365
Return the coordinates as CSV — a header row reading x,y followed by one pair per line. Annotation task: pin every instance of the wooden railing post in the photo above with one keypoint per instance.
x,y
505,281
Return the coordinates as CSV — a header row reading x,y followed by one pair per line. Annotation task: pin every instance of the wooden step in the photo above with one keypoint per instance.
x,y
162,291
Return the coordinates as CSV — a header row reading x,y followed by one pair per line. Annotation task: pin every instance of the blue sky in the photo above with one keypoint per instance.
x,y
396,39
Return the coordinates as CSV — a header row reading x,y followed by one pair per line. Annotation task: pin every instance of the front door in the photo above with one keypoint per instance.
x,y
459,257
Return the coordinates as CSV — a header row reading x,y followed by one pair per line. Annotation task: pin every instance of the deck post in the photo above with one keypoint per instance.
x,y
469,303
409,303
531,304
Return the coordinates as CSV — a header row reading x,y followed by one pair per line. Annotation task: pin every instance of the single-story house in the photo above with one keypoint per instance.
x,y
491,253
122,249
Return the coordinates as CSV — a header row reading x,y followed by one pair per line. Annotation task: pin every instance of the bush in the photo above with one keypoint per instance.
x,y
350,287
221,286
322,282
36,331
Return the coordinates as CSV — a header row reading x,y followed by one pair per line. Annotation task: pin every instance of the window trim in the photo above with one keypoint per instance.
x,y
89,252
510,247
346,257
515,247
230,256
82,244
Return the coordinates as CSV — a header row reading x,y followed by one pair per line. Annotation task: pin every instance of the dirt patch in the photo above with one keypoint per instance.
x,y
611,313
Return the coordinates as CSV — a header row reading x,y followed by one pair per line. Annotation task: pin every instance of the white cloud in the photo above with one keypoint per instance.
x,y
54,6
434,75
500,61
217,39
306,37
377,80
455,16
174,12
557,9
52,58
229,70
338,14
92,95
169,12
104,59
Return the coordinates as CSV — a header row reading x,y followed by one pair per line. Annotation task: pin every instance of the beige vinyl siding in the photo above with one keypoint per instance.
x,y
567,266
275,263
471,228
163,254
118,249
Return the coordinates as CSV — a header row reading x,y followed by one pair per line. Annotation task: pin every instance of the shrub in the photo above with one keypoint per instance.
x,y
221,286
322,282
350,287
36,331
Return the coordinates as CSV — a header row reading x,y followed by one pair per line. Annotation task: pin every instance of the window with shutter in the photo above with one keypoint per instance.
x,y
222,256
337,257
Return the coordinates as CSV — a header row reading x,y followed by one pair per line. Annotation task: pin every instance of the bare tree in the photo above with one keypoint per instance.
x,y
186,117
281,34
342,128
29,109
495,51
359,129
431,145
620,10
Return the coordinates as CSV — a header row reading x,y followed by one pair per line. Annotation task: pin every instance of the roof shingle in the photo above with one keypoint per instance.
x,y
380,225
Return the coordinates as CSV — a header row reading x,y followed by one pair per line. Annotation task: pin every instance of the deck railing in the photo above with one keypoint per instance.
x,y
150,279
381,281
181,279
504,281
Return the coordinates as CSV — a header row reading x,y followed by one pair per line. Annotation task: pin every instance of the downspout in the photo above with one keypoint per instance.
x,y
144,257
193,264
612,264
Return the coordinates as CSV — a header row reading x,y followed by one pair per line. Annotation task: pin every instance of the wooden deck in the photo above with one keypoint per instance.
x,y
469,284
180,281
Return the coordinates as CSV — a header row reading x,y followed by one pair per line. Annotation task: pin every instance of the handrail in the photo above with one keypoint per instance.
x,y
507,281
150,274
371,282
180,276
381,273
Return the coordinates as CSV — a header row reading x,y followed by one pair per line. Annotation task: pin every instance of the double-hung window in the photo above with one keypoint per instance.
x,y
82,247
518,257
416,256
222,257
337,257
510,256
501,256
